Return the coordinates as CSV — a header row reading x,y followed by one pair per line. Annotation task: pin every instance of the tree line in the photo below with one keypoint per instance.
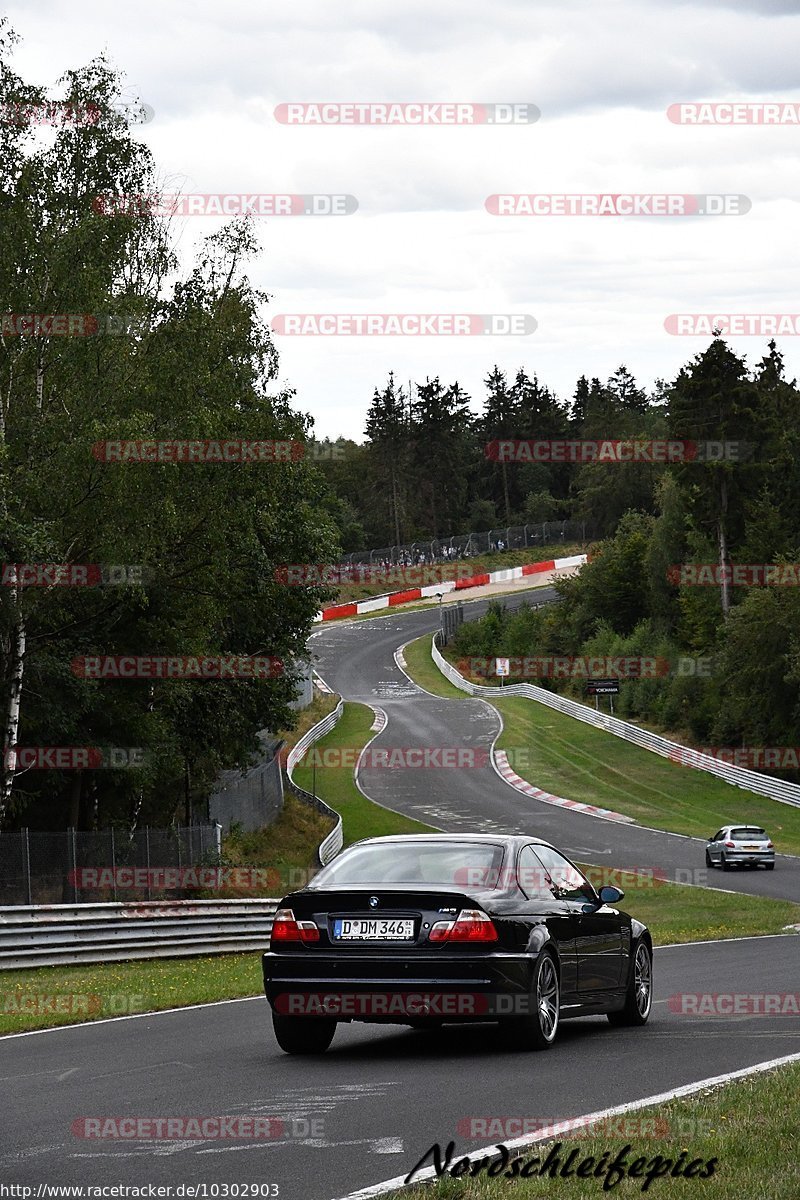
x,y
203,539
727,639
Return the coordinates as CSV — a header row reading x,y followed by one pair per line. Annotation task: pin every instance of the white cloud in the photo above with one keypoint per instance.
x,y
603,77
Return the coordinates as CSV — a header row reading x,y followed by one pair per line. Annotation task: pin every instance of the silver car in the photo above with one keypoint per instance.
x,y
740,845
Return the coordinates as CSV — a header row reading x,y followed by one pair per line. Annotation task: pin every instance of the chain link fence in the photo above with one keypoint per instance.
x,y
251,799
73,866
469,545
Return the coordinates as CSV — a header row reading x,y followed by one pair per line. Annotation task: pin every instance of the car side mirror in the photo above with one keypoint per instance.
x,y
611,895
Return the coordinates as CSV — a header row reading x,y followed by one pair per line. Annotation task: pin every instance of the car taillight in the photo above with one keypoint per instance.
x,y
285,928
471,925
770,846
731,845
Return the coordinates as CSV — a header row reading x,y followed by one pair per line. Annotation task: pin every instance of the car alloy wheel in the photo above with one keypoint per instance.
x,y
547,999
639,990
643,980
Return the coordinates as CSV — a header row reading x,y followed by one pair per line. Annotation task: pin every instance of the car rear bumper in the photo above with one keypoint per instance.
x,y
750,856
361,988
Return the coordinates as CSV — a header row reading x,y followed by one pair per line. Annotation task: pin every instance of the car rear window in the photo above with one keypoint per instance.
x,y
748,833
455,864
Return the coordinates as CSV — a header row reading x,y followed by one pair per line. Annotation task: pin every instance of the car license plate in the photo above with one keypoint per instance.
x,y
751,847
380,929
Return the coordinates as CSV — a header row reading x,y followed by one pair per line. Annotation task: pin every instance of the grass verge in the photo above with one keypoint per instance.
x,y
747,1126
562,755
674,912
29,999
423,669
336,783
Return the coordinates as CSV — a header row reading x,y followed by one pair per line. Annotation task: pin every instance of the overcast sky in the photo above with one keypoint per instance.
x,y
422,241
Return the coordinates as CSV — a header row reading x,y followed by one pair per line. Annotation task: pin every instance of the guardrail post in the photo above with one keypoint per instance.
x,y
74,865
26,858
113,865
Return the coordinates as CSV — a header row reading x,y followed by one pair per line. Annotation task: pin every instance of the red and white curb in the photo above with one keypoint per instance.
x,y
392,599
379,724
506,772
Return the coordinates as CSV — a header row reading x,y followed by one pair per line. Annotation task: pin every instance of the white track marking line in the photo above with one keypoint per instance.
x,y
159,1012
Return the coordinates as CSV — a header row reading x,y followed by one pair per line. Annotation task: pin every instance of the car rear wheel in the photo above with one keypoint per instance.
x,y
726,866
709,860
770,866
639,996
537,1030
303,1035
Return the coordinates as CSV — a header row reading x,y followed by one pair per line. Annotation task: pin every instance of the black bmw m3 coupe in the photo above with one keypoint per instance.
x,y
425,929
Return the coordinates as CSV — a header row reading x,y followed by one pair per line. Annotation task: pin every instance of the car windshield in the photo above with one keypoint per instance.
x,y
455,864
750,833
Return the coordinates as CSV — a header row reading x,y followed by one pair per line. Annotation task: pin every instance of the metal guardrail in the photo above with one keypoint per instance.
x,y
46,935
330,846
751,781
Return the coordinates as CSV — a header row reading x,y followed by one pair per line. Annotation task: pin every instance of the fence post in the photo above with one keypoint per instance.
x,y
113,865
147,856
26,852
74,866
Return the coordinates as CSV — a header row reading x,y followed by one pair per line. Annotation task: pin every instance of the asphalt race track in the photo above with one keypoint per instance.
x,y
383,1094
356,659
369,1108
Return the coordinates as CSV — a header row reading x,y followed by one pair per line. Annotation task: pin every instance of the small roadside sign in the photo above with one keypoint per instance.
x,y
603,687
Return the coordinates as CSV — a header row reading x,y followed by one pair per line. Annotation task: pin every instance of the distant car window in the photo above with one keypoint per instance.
x,y
532,876
749,833
454,864
568,882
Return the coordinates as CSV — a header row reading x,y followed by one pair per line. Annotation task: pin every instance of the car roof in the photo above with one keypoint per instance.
x,y
484,838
